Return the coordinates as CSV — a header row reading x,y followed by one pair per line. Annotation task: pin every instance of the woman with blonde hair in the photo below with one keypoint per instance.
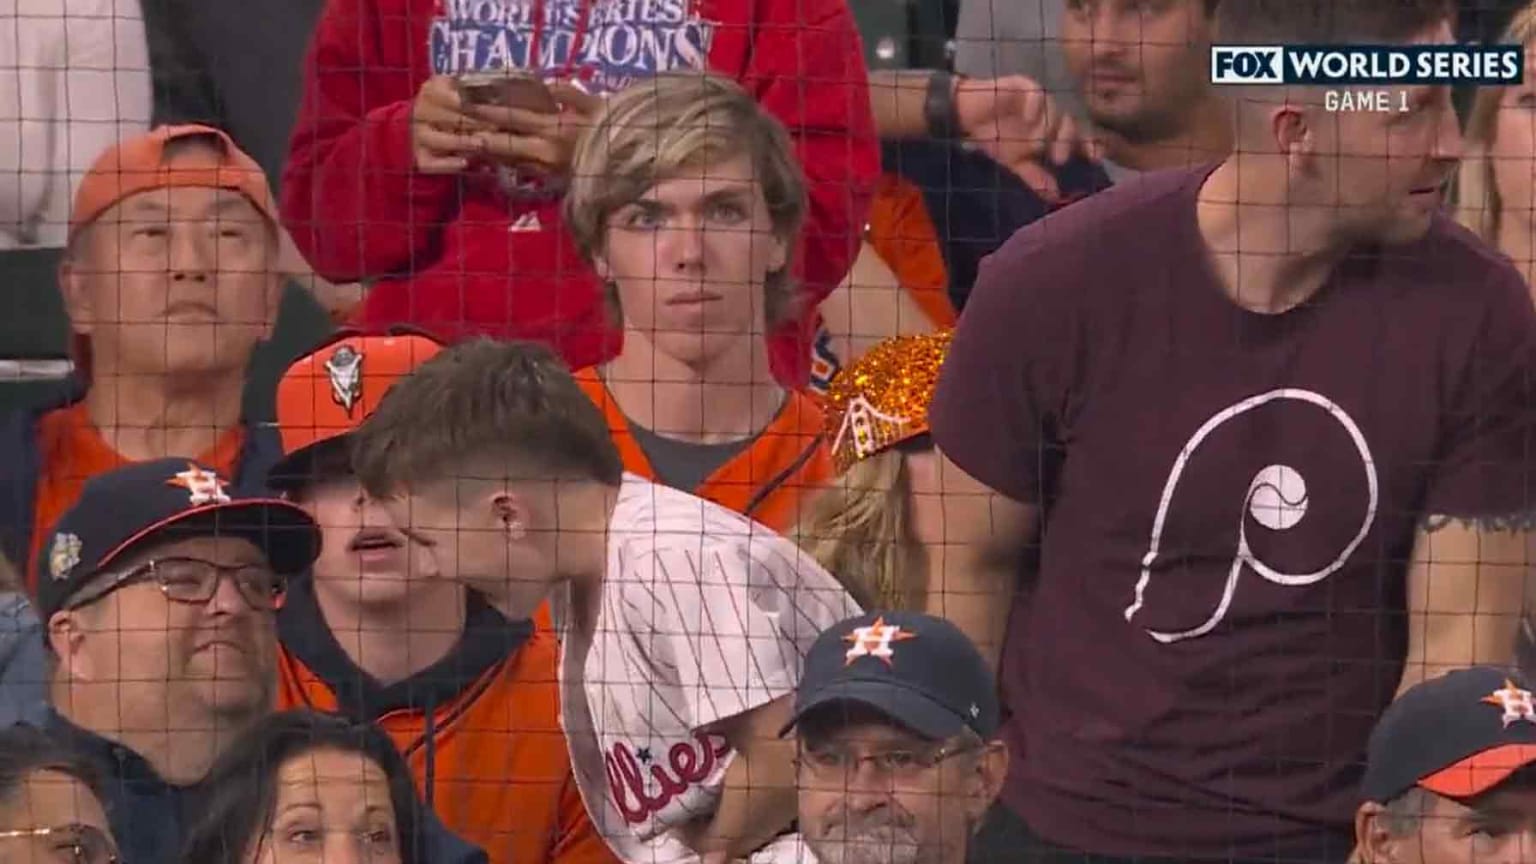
x,y
1494,189
879,526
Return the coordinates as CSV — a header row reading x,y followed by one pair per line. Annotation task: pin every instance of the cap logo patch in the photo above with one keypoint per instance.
x,y
204,486
876,640
63,556
1517,703
346,371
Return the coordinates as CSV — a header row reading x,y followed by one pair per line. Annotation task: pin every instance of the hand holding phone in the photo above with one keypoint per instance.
x,y
520,90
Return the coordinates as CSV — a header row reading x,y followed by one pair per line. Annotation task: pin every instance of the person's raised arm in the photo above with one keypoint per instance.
x,y
758,796
1467,583
1475,546
358,198
806,67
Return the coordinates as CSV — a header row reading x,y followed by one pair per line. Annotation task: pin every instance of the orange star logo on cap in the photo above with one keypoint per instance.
x,y
876,640
204,486
1516,702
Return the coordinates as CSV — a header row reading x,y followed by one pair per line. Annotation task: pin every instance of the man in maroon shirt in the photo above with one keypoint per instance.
x,y
1273,476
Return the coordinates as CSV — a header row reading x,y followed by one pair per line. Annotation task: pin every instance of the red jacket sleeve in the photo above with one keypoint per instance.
x,y
807,68
351,198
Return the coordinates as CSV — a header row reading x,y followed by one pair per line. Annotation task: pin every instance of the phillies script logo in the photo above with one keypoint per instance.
x,y
687,764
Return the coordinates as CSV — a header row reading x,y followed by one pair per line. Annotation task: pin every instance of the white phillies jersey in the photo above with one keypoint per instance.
x,y
703,615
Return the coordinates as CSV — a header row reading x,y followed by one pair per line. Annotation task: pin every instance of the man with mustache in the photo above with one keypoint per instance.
x,y
896,719
170,279
158,591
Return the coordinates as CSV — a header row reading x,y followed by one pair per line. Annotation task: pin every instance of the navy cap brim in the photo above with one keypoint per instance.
x,y
284,532
903,705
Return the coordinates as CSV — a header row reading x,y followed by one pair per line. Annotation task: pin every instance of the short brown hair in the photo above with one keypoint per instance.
x,y
516,402
1327,22
661,126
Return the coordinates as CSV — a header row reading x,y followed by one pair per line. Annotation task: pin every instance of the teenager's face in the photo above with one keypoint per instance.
x,y
691,258
365,559
472,535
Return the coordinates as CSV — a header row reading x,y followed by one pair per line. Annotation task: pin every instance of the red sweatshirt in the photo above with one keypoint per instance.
x,y
459,255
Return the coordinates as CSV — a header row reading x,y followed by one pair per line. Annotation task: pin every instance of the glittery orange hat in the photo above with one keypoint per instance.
x,y
882,398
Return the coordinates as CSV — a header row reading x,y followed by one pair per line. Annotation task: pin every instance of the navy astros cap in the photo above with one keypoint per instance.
x,y
1458,735
919,670
162,499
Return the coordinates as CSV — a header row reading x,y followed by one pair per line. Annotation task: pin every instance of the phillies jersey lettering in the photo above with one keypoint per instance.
x,y
633,774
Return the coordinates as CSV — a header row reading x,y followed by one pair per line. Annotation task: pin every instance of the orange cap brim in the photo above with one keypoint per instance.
x,y
1480,772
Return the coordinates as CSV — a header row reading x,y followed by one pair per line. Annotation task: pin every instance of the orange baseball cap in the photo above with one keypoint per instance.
x,y
139,164
330,392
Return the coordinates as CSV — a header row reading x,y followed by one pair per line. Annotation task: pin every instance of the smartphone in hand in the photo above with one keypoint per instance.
x,y
511,89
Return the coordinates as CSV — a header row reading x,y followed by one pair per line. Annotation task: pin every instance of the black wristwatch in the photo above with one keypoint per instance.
x,y
939,110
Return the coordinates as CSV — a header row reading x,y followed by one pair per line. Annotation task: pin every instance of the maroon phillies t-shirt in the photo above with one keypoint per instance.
x,y
1230,499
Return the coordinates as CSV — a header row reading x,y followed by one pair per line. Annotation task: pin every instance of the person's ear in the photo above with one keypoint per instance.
x,y
511,513
991,772
66,636
1292,128
73,290
1373,842
778,253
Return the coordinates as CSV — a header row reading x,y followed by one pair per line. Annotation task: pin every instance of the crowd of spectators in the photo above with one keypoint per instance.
x,y
655,431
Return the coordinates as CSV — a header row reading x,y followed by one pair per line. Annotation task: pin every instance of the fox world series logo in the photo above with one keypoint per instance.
x,y
1356,65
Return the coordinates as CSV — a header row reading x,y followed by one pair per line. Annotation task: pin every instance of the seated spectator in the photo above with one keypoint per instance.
x,y
453,206
158,588
50,803
377,635
1495,196
1449,773
682,623
169,281
306,786
23,660
687,199
879,526
909,695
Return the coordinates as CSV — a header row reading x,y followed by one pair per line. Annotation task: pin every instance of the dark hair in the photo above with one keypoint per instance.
x,y
515,401
1327,22
240,792
26,750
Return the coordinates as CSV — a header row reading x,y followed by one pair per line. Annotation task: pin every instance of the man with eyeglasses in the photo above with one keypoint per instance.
x,y
158,589
896,718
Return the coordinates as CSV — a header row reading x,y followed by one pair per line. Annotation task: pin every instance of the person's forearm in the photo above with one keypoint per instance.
x,y
757,802
975,592
898,98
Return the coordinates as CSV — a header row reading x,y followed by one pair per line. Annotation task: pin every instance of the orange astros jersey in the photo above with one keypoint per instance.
x,y
770,481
